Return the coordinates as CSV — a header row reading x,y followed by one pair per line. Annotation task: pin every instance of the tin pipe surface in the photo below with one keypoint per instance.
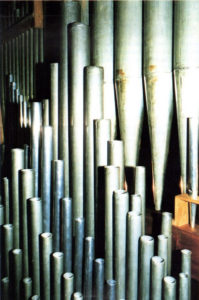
x,y
35,297
27,63
7,232
36,122
70,12
31,36
23,78
136,203
15,273
6,200
163,250
102,54
5,288
66,232
99,278
26,288
134,223
88,267
45,112
166,229
112,183
68,285
36,55
157,274
169,288
121,207
140,188
78,254
116,158
77,296
26,155
146,253
183,286
57,271
46,158
41,45
54,96
17,60
17,163
110,289
57,194
34,208
25,113
26,191
186,266
46,244
192,165
93,109
79,57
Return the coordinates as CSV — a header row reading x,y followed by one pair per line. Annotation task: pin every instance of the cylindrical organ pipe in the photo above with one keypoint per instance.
x,y
45,112
110,289
26,288
157,274
27,190
66,232
6,200
57,271
166,229
186,266
128,79
116,158
7,232
121,207
169,288
93,102
112,183
102,54
77,296
46,157
183,286
99,278
79,57
70,12
163,250
78,254
5,288
68,285
88,267
158,77
15,273
136,203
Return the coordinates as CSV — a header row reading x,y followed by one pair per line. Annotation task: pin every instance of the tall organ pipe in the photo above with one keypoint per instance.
x,y
158,78
128,76
66,232
79,57
169,288
116,158
102,53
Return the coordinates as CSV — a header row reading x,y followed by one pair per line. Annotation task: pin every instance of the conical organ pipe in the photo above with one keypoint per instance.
x,y
169,288
166,229
17,160
35,141
99,278
186,266
54,77
57,194
157,274
192,166
88,267
102,54
26,288
7,232
163,250
57,271
78,254
46,246
116,158
66,232
93,109
70,12
183,286
15,273
6,200
79,55
27,190
146,253
46,157
134,223
121,207
158,78
129,87
68,285
112,183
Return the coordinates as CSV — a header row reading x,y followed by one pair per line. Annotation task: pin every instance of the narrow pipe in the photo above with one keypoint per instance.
x,y
23,79
66,232
17,60
31,34
46,157
169,288
45,110
21,111
26,191
17,163
116,158
41,45
34,209
27,64
183,286
26,288
25,113
6,200
93,101
78,254
5,288
26,156
35,297
54,69
157,274
98,278
146,253
57,271
166,229
112,183
46,245
15,273
36,56
134,227
77,296
7,232
36,121
110,289
88,267
70,12
136,203
121,207
79,57
163,250
186,266
140,188
57,194
68,285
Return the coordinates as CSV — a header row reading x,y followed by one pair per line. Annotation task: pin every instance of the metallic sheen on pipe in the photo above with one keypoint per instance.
x,y
140,188
6,200
166,229
5,288
78,254
136,203
110,289
157,274
45,112
66,232
15,273
88,267
163,250
7,232
116,158
99,278
77,296
68,285
26,288
57,271
169,288
183,286
186,266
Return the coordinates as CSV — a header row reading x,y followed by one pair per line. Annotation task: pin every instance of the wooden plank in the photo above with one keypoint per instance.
x,y
38,14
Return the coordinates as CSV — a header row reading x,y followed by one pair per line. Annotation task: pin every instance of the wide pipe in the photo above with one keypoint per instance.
x,y
116,157
183,286
26,288
57,194
57,271
110,289
163,250
77,296
146,253
121,207
136,203
7,232
17,163
157,274
93,109
166,229
134,231
6,200
70,12
15,273
46,158
128,80
66,232
169,288
99,278
88,267
26,191
79,57
78,254
112,183
186,266
68,285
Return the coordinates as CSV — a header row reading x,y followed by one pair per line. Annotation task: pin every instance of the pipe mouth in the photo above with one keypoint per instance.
x,y
5,280
89,238
77,295
34,199
183,275
167,214
27,280
169,280
68,275
17,251
135,196
133,214
186,252
111,282
27,171
8,226
58,254
79,220
157,260
66,199
46,235
99,261
111,167
17,150
162,237
120,192
146,239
